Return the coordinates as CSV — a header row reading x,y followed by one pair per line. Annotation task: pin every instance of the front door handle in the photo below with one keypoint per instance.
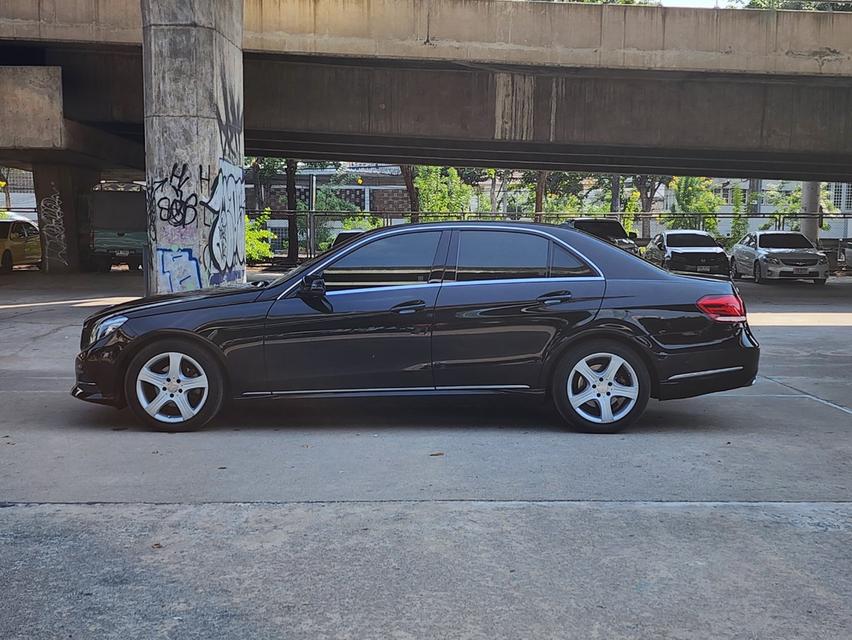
x,y
555,297
410,306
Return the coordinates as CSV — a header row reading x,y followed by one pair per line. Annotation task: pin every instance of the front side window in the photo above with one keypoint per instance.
x,y
501,255
403,259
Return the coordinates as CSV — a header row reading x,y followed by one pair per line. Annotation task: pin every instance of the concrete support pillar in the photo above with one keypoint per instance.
x,y
810,206
60,192
193,73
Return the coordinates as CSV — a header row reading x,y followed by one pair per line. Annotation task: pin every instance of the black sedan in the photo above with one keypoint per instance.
x,y
430,309
689,251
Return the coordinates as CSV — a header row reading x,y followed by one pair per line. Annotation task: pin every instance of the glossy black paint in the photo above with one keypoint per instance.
x,y
435,336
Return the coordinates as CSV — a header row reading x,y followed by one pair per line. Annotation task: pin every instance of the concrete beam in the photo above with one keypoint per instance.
x,y
490,32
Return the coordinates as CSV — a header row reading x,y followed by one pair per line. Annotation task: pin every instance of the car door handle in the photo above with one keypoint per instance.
x,y
555,297
410,306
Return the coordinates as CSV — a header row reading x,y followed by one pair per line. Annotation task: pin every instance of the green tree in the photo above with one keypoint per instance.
x,y
441,190
794,5
258,237
739,221
695,205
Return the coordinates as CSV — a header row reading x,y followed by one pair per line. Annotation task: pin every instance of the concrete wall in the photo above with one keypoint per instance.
x,y
31,107
494,32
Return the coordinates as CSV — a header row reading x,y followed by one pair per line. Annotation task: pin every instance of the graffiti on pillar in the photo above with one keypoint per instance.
x,y
177,270
53,228
229,116
175,204
225,253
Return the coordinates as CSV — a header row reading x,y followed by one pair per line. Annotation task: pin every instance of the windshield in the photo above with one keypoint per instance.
x,y
601,228
785,241
690,240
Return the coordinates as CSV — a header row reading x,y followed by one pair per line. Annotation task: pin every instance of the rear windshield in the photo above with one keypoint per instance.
x,y
4,230
690,240
785,241
605,228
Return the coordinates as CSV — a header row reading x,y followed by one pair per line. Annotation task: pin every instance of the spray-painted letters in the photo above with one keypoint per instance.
x,y
177,270
176,205
53,229
226,241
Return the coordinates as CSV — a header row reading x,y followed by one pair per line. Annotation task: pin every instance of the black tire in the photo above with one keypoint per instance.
x,y
103,265
562,377
208,363
757,274
133,264
735,273
6,262
819,281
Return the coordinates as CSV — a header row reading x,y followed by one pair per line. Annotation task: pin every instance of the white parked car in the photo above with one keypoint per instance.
x,y
778,255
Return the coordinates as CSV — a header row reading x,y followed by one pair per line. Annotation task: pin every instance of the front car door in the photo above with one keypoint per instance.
x,y
745,254
18,243
371,328
508,300
33,247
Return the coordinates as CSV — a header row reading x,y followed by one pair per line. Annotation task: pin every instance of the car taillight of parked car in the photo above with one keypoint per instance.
x,y
723,308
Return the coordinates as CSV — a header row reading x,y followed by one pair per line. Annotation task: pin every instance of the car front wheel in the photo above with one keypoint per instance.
x,y
601,386
174,385
758,274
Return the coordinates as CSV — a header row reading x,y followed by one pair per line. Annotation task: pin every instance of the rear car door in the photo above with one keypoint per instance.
x,y
508,299
371,330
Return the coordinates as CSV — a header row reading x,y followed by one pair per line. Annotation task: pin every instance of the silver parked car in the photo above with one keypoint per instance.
x,y
778,255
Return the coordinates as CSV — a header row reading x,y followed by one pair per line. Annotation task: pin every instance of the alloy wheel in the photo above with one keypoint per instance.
x,y
172,387
603,388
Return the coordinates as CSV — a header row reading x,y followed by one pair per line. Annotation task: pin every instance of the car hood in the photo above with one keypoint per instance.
x,y
696,250
184,300
792,253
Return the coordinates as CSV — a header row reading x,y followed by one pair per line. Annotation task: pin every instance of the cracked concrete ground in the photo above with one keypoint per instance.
x,y
726,516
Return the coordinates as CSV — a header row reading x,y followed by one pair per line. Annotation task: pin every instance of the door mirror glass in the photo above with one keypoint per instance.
x,y
633,235
313,286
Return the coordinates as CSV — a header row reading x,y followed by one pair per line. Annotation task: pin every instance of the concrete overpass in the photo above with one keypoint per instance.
x,y
477,82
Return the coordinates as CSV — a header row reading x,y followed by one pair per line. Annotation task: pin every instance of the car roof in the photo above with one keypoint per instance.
x,y
769,233
669,232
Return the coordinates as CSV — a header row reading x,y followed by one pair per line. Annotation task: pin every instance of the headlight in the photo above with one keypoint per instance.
x,y
105,327
772,260
822,260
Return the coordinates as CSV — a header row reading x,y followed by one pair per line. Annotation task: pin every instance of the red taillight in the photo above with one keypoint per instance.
x,y
724,308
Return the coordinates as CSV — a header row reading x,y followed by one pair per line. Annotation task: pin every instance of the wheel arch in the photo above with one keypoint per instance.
x,y
622,335
149,338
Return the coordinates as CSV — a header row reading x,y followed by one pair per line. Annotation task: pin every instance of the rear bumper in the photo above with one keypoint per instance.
x,y
710,371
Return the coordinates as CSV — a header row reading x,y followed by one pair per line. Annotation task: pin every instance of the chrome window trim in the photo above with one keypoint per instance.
x,y
351,246
464,283
707,372
392,287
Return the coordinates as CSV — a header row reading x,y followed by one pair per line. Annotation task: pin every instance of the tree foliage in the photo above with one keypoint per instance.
x,y
258,238
441,190
694,206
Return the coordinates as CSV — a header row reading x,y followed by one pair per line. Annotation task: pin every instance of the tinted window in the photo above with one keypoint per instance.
x,y
396,260
602,228
4,230
785,241
564,265
690,240
495,255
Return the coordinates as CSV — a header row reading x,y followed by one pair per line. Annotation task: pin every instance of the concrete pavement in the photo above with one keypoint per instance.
x,y
726,516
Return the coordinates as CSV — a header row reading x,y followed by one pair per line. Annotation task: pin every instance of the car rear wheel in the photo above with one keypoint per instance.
x,y
601,386
758,274
6,262
174,385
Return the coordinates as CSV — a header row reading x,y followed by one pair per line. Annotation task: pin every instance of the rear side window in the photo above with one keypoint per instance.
x,y
403,259
564,264
501,255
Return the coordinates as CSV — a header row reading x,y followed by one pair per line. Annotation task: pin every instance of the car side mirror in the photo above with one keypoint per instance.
x,y
633,235
313,286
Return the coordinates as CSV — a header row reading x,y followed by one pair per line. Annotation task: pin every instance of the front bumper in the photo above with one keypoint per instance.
x,y
98,371
786,272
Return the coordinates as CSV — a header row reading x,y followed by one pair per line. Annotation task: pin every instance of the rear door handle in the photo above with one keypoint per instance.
x,y
555,297
410,306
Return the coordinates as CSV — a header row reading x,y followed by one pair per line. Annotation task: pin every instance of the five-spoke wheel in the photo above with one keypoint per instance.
x,y
600,386
174,385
